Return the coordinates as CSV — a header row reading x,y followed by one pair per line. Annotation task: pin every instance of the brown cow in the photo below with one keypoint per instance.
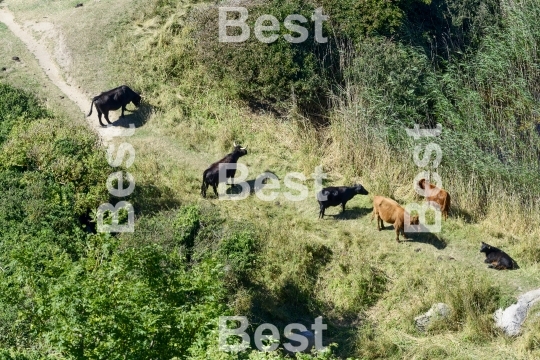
x,y
438,196
387,210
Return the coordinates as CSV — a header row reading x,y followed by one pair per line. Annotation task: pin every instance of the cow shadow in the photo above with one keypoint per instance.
x,y
138,117
254,186
420,235
426,238
351,213
237,188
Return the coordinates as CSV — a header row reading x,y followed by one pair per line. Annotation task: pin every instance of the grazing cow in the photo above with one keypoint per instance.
x,y
113,100
387,210
496,258
211,175
334,196
438,196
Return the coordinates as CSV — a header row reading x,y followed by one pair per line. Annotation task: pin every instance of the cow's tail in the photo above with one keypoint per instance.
x,y
446,204
91,107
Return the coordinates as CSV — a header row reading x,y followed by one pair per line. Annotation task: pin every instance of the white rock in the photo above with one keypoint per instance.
x,y
511,319
437,311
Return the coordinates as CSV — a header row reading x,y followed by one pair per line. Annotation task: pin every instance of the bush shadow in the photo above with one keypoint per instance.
x,y
463,214
293,301
149,199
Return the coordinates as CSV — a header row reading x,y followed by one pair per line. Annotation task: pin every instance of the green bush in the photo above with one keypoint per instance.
x,y
276,75
17,105
239,251
75,294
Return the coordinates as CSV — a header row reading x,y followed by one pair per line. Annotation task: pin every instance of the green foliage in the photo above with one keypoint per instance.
x,y
17,104
140,303
355,19
278,74
240,251
482,99
447,28
67,291
188,223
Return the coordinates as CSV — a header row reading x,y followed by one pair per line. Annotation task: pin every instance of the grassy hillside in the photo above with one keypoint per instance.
x,y
157,293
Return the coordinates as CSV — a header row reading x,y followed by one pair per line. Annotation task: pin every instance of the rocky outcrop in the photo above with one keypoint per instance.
x,y
511,318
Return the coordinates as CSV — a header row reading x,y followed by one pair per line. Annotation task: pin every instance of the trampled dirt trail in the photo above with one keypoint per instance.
x,y
39,49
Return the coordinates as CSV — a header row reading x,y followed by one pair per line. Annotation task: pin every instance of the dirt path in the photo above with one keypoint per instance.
x,y
51,69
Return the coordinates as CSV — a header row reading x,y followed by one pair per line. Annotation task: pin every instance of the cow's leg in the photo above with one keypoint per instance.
x,y
204,187
106,114
99,117
123,109
214,186
403,232
397,234
321,211
343,206
380,223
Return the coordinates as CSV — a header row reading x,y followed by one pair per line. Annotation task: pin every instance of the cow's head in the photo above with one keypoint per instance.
x,y
360,190
136,100
485,247
415,220
239,151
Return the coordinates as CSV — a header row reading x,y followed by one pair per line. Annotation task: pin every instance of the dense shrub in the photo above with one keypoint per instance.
x,y
239,251
275,75
17,104
71,293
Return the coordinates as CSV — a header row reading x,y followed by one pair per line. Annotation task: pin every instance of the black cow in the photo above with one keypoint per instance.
x,y
334,196
113,100
211,175
496,258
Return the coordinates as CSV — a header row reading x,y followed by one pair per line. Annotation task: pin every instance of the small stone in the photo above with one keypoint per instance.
x,y
78,5
310,338
15,58
437,311
61,97
417,250
4,69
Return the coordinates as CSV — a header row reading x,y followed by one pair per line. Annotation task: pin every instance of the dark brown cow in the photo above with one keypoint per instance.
x,y
437,195
387,210
113,100
211,175
334,196
497,259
